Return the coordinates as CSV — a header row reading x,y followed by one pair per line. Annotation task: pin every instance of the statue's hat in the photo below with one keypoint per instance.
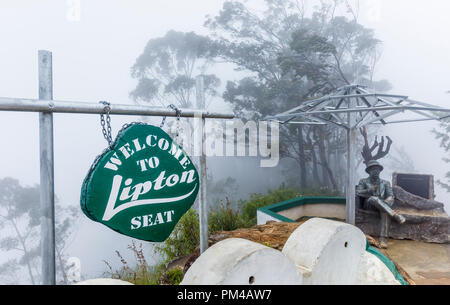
x,y
373,163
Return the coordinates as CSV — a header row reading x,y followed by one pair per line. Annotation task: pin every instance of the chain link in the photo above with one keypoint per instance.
x,y
106,124
178,115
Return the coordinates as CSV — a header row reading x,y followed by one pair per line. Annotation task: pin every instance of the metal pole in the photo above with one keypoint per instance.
x,y
52,106
203,205
350,193
47,197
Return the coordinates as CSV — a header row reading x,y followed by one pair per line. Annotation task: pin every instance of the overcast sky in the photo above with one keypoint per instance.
x,y
92,56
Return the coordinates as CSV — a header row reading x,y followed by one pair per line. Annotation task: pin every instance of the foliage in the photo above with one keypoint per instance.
x,y
443,135
184,238
20,214
139,274
225,219
256,201
174,276
167,68
292,55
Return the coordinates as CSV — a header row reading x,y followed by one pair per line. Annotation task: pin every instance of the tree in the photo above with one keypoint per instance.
x,y
443,135
167,68
20,225
19,212
292,58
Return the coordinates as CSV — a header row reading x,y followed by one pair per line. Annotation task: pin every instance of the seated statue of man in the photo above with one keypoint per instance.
x,y
378,195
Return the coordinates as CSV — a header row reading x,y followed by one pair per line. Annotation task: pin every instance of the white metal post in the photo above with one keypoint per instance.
x,y
350,192
47,197
203,205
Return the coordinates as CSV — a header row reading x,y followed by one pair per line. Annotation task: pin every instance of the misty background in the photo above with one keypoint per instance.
x,y
92,56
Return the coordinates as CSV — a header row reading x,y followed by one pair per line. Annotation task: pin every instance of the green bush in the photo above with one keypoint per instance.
x,y
225,219
174,276
184,238
141,273
256,201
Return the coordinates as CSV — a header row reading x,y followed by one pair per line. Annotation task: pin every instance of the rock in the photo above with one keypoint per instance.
x,y
372,271
273,234
237,261
404,199
329,250
425,225
103,281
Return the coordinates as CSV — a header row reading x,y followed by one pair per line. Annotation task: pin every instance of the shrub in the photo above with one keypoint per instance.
x,y
225,219
256,201
184,238
141,273
173,276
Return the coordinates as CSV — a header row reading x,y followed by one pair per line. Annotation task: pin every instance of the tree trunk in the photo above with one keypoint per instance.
x,y
61,266
326,170
315,169
301,149
27,260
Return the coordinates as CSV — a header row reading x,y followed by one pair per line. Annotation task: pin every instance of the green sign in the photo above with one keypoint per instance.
x,y
142,185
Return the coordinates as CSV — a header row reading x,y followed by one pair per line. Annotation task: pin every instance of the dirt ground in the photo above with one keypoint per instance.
x,y
426,263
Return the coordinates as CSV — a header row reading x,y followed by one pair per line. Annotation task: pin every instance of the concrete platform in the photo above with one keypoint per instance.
x,y
426,263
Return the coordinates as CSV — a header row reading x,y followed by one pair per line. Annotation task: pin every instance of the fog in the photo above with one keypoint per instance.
x,y
92,57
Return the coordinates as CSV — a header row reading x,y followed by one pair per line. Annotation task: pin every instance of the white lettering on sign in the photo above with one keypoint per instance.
x,y
152,141
152,162
144,221
114,162
127,191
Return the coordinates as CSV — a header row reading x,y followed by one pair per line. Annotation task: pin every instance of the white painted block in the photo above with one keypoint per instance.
x,y
236,261
262,218
372,271
103,281
330,250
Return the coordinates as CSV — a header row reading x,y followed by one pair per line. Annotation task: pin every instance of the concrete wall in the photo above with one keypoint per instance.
x,y
325,210
315,210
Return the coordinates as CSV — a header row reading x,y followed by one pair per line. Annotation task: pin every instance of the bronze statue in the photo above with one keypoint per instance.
x,y
378,195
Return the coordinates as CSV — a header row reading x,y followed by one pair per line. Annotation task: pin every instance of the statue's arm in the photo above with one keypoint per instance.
x,y
362,190
389,194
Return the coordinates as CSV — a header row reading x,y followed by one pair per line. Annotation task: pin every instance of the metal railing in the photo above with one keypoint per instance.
x,y
46,106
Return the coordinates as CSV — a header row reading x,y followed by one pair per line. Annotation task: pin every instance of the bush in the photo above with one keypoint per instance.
x,y
225,219
141,273
184,238
173,276
256,201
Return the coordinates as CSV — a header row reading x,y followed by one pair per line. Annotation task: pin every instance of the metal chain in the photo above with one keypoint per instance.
x,y
106,124
178,115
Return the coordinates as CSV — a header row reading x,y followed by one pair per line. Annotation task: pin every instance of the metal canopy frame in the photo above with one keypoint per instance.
x,y
355,106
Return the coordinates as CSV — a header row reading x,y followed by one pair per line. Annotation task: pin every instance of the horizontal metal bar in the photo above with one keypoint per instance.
x,y
405,121
360,109
31,105
297,122
421,103
379,118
